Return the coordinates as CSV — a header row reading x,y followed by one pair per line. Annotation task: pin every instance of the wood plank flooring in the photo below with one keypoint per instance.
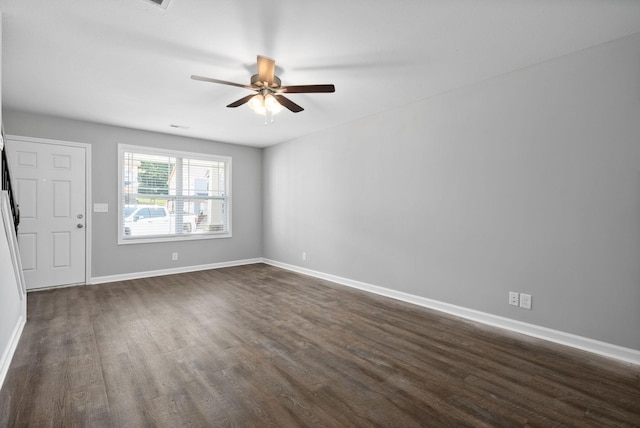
x,y
257,346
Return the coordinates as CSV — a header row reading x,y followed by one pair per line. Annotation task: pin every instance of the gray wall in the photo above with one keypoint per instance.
x,y
108,258
528,182
11,306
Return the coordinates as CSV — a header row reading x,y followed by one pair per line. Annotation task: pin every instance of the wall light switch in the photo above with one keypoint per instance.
x,y
101,208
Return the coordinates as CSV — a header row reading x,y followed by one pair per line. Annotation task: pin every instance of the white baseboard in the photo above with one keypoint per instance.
x,y
563,338
171,271
7,355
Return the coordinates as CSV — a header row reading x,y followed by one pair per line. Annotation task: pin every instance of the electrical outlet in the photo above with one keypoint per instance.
x,y
525,301
304,256
513,298
174,256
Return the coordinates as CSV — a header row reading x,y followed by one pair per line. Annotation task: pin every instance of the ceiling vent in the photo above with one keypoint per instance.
x,y
160,3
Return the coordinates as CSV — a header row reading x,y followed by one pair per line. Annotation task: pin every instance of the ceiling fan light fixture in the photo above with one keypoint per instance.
x,y
263,104
257,104
272,104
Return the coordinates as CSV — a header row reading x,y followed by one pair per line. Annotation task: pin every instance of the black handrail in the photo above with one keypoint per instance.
x,y
6,185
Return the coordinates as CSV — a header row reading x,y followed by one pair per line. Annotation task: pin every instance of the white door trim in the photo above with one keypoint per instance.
x,y
88,205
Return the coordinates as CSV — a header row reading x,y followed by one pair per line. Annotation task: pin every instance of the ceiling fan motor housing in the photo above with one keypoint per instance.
x,y
257,83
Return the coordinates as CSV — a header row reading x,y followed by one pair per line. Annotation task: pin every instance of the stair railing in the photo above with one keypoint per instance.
x,y
6,185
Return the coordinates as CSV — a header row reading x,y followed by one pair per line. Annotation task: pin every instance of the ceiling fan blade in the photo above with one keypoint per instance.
x,y
286,102
266,69
241,101
222,82
306,89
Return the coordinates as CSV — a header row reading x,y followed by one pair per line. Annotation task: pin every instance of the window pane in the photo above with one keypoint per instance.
x,y
173,194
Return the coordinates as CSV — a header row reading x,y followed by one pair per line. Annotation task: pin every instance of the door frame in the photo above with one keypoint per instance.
x,y
88,211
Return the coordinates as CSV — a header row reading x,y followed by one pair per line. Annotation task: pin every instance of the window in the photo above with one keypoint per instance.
x,y
166,195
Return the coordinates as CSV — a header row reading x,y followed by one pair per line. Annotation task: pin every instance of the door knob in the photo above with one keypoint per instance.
x,y
80,226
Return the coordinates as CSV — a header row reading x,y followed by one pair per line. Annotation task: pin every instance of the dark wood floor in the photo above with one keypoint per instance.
x,y
257,346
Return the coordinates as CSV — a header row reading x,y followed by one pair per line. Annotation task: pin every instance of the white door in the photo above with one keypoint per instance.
x,y
51,192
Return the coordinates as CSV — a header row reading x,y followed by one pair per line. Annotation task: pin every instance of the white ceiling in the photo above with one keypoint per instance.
x,y
129,62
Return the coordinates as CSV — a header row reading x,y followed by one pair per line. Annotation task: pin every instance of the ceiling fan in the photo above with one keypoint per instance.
x,y
269,98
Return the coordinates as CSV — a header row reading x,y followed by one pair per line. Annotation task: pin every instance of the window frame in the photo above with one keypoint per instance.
x,y
153,151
